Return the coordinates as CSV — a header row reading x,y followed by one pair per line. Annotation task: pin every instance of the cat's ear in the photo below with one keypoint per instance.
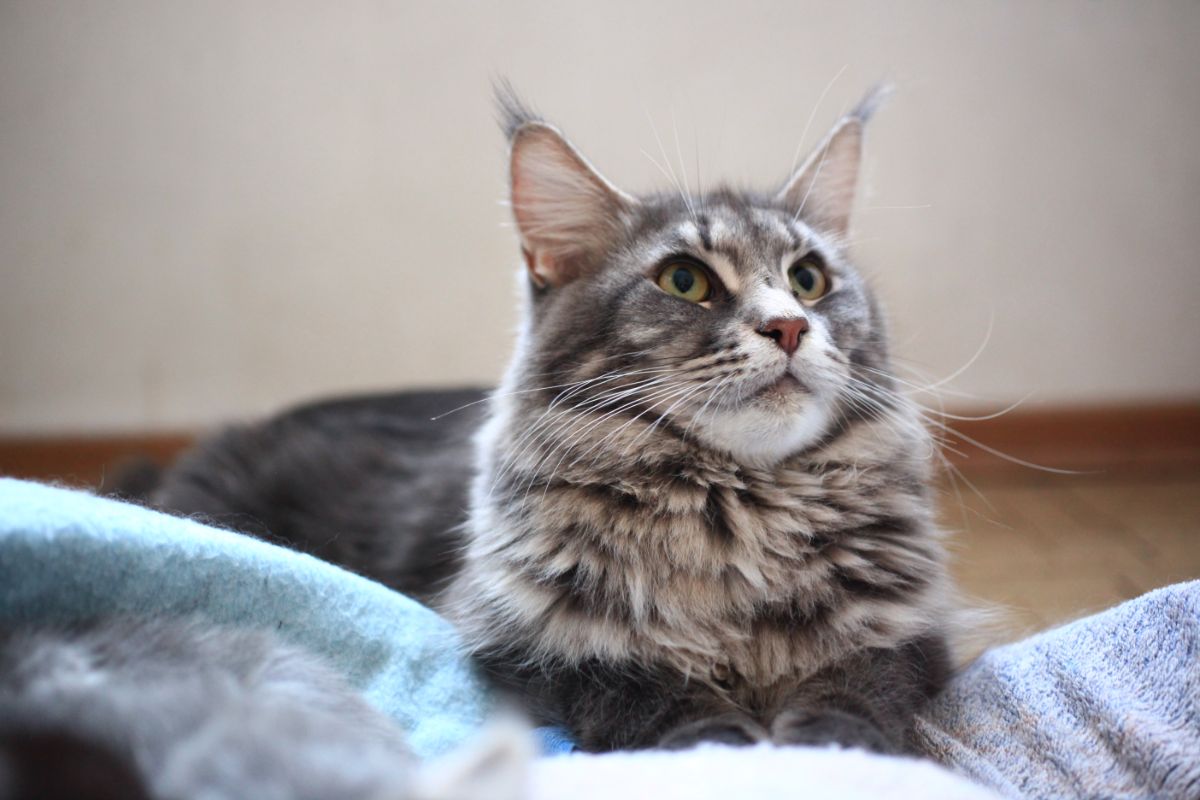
x,y
567,214
822,190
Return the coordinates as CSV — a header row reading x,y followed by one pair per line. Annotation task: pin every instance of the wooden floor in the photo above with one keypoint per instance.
x,y
1050,548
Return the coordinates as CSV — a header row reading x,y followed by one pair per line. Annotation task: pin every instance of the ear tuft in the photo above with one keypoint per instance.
x,y
872,101
511,111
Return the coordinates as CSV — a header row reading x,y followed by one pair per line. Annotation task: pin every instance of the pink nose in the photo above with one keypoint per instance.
x,y
786,332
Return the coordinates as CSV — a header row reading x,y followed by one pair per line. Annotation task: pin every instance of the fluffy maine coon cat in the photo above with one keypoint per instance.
x,y
697,508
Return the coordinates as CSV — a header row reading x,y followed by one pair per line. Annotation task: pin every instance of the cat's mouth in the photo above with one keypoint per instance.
x,y
785,385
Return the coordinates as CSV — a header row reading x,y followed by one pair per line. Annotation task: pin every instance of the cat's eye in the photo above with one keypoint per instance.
x,y
685,280
808,279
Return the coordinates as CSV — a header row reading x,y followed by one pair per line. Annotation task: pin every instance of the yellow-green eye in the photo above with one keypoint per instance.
x,y
685,280
808,279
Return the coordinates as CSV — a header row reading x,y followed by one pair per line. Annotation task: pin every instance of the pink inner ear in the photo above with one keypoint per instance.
x,y
534,261
823,188
531,264
564,209
549,270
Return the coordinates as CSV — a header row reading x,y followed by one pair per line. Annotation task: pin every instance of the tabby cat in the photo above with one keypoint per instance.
x,y
697,508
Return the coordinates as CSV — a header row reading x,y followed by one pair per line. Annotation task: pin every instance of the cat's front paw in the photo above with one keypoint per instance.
x,y
798,726
734,728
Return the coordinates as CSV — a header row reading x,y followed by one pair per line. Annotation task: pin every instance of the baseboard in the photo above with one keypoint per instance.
x,y
1118,439
85,460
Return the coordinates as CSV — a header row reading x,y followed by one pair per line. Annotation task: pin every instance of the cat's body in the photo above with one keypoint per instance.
x,y
699,510
371,482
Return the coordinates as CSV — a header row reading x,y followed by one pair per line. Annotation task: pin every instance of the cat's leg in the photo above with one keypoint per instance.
x,y
649,709
867,701
732,728
638,708
624,706
803,726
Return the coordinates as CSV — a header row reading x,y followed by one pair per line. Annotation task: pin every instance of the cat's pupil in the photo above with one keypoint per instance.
x,y
805,278
684,280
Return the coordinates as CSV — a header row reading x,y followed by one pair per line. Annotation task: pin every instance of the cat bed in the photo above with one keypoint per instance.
x,y
1107,706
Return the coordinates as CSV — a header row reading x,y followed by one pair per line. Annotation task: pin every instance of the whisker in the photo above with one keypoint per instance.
x,y
663,150
543,425
604,397
813,182
987,337
928,416
496,395
682,169
667,413
811,116
568,446
1013,459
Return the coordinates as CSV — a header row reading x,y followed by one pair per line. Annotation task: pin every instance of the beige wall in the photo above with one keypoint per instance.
x,y
210,209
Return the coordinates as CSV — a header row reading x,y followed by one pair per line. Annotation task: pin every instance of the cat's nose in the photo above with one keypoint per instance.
x,y
786,331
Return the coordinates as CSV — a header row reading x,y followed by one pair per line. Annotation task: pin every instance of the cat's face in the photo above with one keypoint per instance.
x,y
735,318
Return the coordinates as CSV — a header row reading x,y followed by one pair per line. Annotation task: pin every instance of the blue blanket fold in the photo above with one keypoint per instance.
x,y
66,555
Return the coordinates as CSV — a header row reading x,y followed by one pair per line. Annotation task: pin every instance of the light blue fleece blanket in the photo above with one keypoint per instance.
x,y
1105,707
66,555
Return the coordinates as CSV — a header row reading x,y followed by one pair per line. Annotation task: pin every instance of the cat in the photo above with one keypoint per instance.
x,y
698,510
183,708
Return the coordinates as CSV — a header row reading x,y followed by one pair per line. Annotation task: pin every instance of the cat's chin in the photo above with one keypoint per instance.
x,y
783,420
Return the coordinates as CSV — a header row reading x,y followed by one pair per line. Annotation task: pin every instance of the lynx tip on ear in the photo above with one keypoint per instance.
x,y
872,101
512,113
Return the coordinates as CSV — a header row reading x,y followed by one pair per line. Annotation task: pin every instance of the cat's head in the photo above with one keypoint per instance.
x,y
735,315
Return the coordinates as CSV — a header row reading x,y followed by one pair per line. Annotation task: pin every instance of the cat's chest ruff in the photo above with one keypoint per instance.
x,y
741,539
704,562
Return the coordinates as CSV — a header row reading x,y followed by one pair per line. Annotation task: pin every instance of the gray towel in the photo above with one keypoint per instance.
x,y
1105,707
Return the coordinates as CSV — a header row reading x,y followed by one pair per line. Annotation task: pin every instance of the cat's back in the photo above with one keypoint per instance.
x,y
375,483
